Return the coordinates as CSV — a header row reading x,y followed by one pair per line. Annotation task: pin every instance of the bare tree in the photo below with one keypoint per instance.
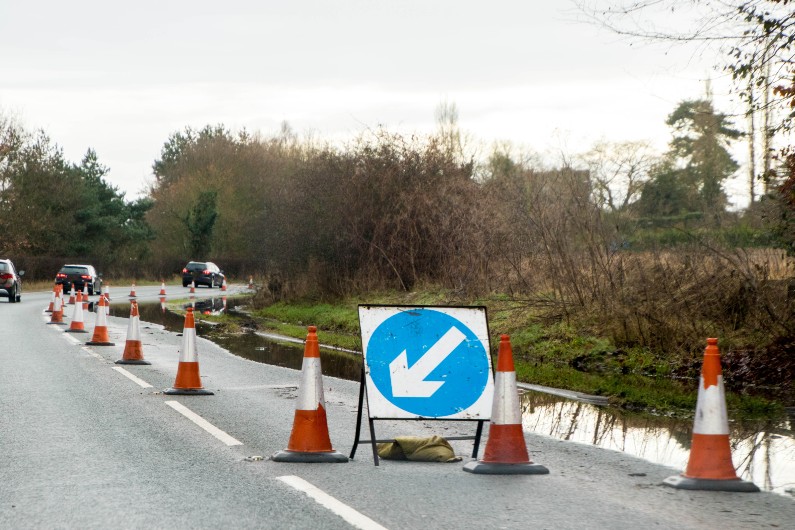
x,y
618,172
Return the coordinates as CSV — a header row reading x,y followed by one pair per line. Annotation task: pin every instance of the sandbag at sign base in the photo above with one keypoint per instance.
x,y
416,449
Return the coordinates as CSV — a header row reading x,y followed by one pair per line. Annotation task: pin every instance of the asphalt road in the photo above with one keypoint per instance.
x,y
84,446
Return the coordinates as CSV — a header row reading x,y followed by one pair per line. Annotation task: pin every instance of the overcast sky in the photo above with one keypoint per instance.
x,y
120,78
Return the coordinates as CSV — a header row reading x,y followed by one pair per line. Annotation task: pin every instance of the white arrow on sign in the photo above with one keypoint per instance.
x,y
410,382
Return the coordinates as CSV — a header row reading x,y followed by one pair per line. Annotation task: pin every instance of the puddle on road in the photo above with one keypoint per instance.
x,y
762,451
248,345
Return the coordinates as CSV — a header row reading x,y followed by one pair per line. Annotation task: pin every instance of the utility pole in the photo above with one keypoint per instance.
x,y
751,140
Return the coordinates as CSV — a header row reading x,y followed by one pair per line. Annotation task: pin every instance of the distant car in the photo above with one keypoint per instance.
x,y
78,276
202,273
10,281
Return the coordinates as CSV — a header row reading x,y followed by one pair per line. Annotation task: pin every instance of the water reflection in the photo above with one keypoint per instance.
x,y
762,451
248,344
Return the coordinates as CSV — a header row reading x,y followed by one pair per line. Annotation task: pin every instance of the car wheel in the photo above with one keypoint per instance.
x,y
12,295
91,290
195,285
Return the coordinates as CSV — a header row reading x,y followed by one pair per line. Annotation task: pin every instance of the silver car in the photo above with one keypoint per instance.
x,y
10,281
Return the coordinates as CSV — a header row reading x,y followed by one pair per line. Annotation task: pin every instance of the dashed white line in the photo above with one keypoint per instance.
x,y
204,424
69,338
92,353
131,377
324,499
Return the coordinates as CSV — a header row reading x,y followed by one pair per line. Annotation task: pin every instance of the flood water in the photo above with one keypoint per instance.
x,y
763,451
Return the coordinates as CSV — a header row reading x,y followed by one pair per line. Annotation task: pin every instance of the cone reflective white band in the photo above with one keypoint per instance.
x,y
711,416
101,319
310,393
133,328
188,353
505,409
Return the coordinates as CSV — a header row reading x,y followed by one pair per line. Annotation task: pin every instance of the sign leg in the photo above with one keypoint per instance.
x,y
358,416
478,434
372,441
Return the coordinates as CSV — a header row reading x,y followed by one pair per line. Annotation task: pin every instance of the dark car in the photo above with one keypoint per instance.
x,y
10,281
202,273
78,276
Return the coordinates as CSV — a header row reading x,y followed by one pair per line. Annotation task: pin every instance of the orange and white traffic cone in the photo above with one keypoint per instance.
x,y
133,352
132,291
188,381
85,298
309,439
56,317
250,282
506,452
162,289
77,326
106,295
223,285
72,295
52,299
192,289
710,464
100,336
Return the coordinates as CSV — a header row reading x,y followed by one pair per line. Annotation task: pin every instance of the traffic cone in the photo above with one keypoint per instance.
x,y
188,381
223,285
250,282
162,289
57,311
72,296
100,337
106,296
77,326
85,297
132,291
710,464
52,299
309,439
192,289
133,353
506,452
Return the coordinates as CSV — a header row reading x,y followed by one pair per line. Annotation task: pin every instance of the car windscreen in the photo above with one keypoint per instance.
x,y
195,266
4,267
74,270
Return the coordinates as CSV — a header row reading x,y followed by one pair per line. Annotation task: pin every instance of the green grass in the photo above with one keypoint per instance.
x,y
556,355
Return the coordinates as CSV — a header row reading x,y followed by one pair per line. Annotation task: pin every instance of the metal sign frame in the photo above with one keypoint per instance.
x,y
480,419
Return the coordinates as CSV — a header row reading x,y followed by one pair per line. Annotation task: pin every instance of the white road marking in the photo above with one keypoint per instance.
x,y
70,338
204,424
92,353
324,499
131,377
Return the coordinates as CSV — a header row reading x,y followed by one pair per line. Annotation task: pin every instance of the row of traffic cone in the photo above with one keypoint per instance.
x,y
709,466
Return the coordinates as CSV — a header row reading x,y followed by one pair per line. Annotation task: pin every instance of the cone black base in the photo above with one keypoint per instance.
x,y
687,483
488,468
76,331
100,343
57,323
188,392
123,361
330,457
